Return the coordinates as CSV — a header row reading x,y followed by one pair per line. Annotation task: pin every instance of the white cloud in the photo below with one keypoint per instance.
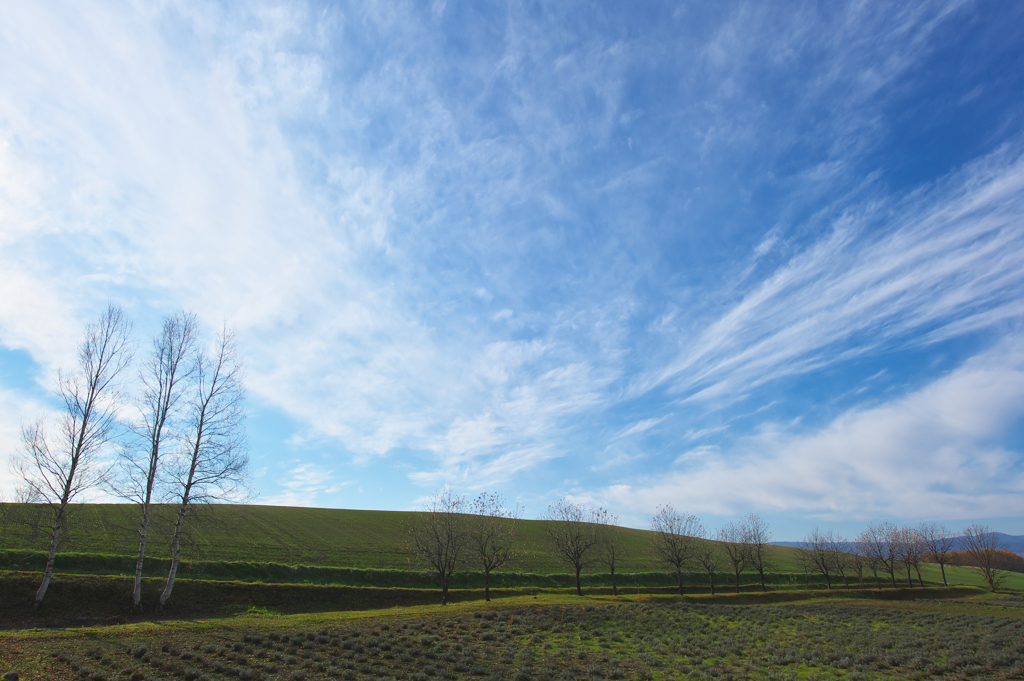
x,y
304,485
933,453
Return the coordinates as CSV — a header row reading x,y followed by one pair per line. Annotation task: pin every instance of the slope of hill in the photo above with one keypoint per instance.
x,y
291,536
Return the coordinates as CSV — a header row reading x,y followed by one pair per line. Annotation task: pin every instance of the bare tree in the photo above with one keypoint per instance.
x,y
609,546
675,538
574,532
909,549
162,377
819,547
938,545
881,542
841,552
758,537
707,555
441,535
492,530
58,469
982,546
213,464
733,540
867,554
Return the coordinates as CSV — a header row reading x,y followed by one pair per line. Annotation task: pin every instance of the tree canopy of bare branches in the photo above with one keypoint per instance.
x,y
162,378
574,531
609,546
758,536
879,544
675,538
982,546
732,539
826,553
57,469
938,545
213,463
909,549
492,531
440,536
706,554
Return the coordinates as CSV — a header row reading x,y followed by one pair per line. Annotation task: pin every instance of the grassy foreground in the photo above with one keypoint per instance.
x,y
555,637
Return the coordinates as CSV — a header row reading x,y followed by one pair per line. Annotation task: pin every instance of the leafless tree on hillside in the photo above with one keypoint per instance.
x,y
441,535
982,546
707,554
881,542
758,536
609,549
492,534
57,469
818,556
868,556
938,545
162,378
843,559
574,533
733,541
213,464
675,538
910,548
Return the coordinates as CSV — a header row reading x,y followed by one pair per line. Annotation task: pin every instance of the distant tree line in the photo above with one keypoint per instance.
x,y
174,436
897,553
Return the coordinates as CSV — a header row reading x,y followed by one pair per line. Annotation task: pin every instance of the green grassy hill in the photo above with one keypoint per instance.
x,y
291,536
333,543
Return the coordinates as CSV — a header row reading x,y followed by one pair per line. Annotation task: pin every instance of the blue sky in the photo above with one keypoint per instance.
x,y
733,257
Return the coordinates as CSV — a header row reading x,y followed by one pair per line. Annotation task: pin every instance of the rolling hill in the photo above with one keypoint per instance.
x,y
315,545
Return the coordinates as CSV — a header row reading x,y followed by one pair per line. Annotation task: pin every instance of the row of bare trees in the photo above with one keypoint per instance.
x,y
177,438
581,536
892,550
682,541
454,532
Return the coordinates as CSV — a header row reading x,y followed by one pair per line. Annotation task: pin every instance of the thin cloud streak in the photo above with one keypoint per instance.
x,y
953,257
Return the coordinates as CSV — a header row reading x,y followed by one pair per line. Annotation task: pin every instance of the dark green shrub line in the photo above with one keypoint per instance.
x,y
274,573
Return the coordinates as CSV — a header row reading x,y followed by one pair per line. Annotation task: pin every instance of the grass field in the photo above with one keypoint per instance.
x,y
554,637
273,544
288,536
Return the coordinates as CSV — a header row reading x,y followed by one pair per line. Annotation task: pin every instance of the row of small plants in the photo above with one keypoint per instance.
x,y
643,641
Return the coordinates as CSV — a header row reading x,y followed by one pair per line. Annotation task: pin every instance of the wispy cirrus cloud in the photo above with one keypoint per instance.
x,y
943,260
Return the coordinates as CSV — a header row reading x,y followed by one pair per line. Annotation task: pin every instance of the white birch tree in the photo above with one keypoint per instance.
x,y
58,468
162,378
213,462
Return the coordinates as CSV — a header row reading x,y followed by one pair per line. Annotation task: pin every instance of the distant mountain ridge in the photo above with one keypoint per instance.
x,y
1013,542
